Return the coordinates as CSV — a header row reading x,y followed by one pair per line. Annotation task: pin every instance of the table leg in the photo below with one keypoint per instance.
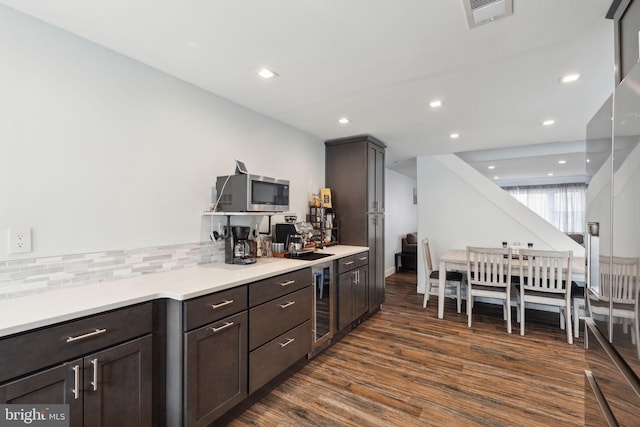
x,y
441,283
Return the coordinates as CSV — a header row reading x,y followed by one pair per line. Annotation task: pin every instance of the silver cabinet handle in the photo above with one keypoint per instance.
x,y
287,304
287,342
348,263
219,328
94,383
88,335
222,304
76,382
287,283
364,258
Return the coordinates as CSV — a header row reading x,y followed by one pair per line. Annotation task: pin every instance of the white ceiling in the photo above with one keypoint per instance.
x,y
378,62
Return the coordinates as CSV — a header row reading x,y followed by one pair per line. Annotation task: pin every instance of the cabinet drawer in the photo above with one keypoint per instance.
x,y
274,287
352,261
274,317
209,308
274,357
35,350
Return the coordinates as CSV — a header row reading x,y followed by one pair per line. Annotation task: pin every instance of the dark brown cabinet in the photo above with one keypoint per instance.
x,y
118,386
353,289
280,317
216,369
110,385
206,349
356,175
52,386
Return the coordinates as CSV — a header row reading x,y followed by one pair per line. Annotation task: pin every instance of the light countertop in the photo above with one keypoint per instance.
x,y
28,312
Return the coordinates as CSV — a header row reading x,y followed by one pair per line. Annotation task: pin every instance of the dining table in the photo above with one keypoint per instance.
x,y
456,260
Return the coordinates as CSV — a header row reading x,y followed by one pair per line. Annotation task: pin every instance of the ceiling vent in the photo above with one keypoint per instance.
x,y
484,11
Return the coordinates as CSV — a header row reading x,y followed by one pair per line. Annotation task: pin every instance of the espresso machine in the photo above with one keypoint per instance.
x,y
237,246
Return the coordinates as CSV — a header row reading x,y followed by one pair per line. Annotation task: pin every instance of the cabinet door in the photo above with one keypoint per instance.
x,y
375,179
117,385
360,291
216,369
345,299
376,262
59,385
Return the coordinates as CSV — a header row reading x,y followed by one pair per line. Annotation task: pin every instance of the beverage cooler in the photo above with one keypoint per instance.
x,y
612,339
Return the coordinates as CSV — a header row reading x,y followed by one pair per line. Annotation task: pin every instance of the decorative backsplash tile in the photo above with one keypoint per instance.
x,y
28,276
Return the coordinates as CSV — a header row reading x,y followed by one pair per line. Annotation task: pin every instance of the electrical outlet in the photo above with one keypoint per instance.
x,y
19,240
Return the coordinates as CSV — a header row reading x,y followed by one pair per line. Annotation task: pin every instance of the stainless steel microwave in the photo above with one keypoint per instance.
x,y
252,193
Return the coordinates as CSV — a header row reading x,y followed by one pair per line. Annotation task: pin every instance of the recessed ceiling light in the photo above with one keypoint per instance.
x,y
454,136
344,121
562,162
588,160
548,122
435,104
266,73
570,78
550,174
496,177
491,167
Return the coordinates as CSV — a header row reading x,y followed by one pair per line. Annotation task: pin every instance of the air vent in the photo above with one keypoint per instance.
x,y
484,11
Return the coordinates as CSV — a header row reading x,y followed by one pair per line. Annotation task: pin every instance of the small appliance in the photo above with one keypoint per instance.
x,y
244,192
237,246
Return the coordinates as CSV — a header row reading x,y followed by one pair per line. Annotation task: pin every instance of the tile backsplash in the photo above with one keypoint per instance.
x,y
28,276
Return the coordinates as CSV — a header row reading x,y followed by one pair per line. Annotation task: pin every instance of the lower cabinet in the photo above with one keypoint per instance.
x,y
117,385
216,369
57,385
208,354
280,332
206,347
353,284
107,387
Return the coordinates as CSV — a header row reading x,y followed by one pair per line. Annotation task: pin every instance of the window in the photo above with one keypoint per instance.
x,y
563,205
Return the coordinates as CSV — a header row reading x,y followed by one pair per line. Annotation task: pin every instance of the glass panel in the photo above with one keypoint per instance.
x,y
323,307
626,219
598,213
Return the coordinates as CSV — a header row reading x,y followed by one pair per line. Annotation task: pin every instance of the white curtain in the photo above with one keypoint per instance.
x,y
562,205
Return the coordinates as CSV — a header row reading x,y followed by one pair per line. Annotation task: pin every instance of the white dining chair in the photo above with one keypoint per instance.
x,y
545,278
453,279
489,275
619,282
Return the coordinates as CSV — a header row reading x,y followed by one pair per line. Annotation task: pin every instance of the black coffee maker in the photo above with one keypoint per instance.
x,y
237,247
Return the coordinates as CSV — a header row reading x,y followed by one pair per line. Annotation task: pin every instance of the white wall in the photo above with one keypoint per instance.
x,y
458,206
99,152
401,215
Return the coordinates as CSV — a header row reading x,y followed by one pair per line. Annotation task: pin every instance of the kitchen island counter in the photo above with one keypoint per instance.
x,y
24,313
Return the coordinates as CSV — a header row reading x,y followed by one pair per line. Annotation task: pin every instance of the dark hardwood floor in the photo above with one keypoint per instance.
x,y
405,367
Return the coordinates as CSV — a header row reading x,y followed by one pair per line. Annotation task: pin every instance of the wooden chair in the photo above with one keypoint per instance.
x,y
545,278
453,279
489,275
619,282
